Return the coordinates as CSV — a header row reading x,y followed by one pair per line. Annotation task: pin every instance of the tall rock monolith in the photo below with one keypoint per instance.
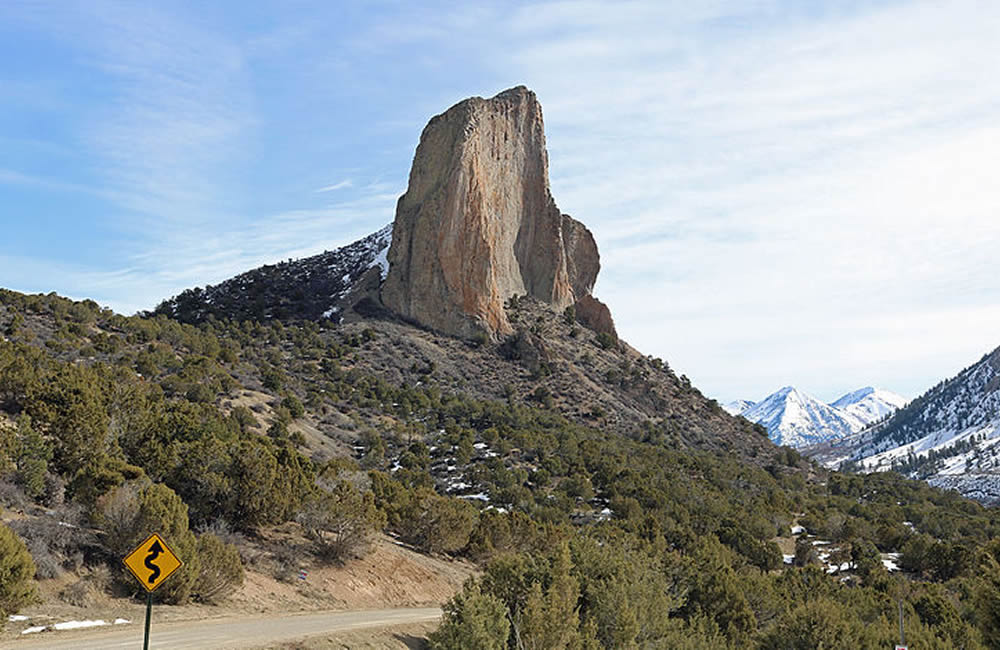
x,y
478,224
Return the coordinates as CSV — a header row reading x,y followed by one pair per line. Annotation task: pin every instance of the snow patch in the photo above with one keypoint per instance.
x,y
382,262
891,561
76,625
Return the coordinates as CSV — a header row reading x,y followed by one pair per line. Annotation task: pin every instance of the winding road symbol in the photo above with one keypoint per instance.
x,y
152,562
154,552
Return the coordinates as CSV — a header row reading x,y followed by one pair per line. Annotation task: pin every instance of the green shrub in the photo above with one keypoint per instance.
x,y
132,512
294,406
472,621
606,341
340,519
220,571
16,572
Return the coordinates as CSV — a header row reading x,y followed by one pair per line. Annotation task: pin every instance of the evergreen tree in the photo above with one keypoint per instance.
x,y
220,569
472,621
32,457
551,622
17,589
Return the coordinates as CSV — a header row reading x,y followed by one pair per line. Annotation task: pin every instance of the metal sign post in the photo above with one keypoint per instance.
x,y
151,563
902,637
149,615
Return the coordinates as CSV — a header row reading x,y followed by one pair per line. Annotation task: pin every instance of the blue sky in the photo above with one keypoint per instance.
x,y
783,192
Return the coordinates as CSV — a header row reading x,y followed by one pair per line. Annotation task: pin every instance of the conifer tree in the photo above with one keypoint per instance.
x,y
16,572
32,457
472,621
551,622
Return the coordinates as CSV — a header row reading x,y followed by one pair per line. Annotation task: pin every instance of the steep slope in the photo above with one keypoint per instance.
x,y
948,435
332,285
592,380
479,253
870,404
797,419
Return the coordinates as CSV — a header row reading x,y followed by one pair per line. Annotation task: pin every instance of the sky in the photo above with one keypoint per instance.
x,y
783,193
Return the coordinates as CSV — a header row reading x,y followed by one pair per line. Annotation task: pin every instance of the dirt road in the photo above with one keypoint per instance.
x,y
224,633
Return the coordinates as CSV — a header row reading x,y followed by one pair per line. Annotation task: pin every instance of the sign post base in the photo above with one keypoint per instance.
x,y
149,612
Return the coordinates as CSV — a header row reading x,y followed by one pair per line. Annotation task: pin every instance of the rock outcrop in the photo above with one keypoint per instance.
x,y
478,224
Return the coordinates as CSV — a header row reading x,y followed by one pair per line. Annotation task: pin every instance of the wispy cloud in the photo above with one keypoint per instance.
x,y
782,192
13,177
175,107
337,186
756,180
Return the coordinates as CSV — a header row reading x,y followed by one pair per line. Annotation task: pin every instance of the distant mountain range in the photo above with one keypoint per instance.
x,y
949,436
795,418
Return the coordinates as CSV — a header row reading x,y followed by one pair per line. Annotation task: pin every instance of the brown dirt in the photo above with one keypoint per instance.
x,y
403,637
256,401
391,575
786,544
319,444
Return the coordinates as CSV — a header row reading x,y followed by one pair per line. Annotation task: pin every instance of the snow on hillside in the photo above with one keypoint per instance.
x,y
977,438
949,436
870,404
376,246
950,415
795,418
736,407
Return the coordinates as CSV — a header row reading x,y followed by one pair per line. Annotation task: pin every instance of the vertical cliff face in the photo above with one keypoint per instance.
x,y
478,224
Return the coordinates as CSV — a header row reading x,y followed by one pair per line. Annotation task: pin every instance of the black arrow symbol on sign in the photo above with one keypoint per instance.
x,y
154,552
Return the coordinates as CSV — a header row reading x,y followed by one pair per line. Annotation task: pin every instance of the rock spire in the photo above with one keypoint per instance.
x,y
478,224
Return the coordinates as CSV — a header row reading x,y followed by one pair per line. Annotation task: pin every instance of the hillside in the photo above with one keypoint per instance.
x,y
523,478
947,436
550,358
324,286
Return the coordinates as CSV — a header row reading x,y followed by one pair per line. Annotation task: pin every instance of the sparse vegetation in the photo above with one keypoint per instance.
x,y
644,518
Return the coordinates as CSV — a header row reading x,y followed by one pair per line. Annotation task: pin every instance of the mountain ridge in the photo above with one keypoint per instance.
x,y
338,284
948,435
798,419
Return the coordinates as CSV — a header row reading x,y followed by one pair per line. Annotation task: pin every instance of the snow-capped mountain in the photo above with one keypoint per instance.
x,y
737,406
950,435
797,419
870,404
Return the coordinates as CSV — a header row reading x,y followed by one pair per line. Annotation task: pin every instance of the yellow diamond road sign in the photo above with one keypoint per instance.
x,y
152,562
